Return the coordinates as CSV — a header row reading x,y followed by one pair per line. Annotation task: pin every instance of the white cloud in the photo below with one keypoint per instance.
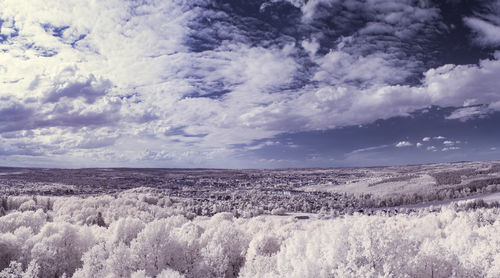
x,y
445,149
136,71
495,105
488,33
403,144
452,85
369,149
263,144
466,113
449,143
432,148
486,24
419,145
311,46
339,67
426,139
439,138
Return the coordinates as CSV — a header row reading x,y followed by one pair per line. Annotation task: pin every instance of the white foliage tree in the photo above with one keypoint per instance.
x,y
169,273
59,247
94,262
143,240
155,249
33,219
124,230
261,256
224,248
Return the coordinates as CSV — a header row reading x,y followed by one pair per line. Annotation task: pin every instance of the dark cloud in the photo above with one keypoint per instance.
x,y
200,80
59,109
256,23
15,115
95,143
402,33
89,90
25,152
62,116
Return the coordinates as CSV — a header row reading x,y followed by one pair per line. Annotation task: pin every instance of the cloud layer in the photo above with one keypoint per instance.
x,y
186,82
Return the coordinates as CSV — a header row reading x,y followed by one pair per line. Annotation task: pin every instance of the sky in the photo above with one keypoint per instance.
x,y
248,84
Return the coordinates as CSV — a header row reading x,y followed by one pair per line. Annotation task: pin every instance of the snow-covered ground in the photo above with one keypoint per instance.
x,y
376,186
423,185
487,197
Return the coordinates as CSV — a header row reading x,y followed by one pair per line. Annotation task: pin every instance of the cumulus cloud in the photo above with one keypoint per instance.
x,y
426,139
449,143
366,29
403,144
450,85
419,145
219,75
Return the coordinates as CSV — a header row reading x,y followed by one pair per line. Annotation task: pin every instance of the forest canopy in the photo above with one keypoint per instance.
x,y
136,234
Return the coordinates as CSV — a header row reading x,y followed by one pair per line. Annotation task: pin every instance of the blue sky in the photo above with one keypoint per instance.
x,y
237,84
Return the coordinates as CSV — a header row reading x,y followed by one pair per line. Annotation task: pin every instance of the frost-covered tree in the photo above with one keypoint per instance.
x,y
120,262
124,230
224,248
260,259
169,273
33,219
94,262
188,236
59,247
155,248
145,238
15,270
